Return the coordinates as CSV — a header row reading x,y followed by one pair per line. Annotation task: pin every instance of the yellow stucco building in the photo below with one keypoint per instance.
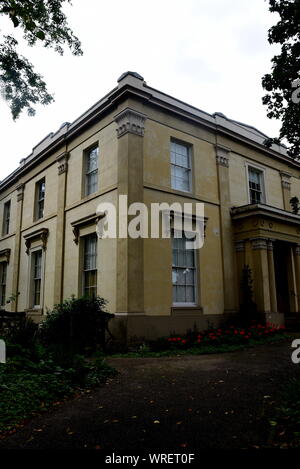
x,y
142,143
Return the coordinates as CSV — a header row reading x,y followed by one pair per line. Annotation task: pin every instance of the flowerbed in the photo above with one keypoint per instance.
x,y
229,335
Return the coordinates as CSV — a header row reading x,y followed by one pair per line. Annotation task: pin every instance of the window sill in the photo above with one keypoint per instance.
x,y
34,311
9,235
184,310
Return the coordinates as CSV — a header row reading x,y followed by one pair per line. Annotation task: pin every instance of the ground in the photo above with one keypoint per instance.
x,y
170,404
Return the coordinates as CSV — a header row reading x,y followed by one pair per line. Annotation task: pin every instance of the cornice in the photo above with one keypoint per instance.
x,y
246,211
138,89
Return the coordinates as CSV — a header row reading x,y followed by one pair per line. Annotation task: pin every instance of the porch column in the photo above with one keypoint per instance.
x,y
296,250
272,280
286,189
240,262
261,275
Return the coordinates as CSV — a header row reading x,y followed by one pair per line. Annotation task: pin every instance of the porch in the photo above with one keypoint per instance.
x,y
268,240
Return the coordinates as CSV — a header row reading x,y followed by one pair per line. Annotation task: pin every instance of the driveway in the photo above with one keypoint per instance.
x,y
170,404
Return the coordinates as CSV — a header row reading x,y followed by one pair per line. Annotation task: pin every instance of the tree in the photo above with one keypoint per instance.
x,y
283,83
41,21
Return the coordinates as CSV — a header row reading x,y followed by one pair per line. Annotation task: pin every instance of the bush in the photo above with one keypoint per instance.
x,y
76,325
27,387
18,329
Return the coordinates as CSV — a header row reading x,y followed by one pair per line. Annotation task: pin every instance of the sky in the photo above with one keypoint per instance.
x,y
208,53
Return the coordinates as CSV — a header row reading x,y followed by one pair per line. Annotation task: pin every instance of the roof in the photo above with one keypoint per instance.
x,y
134,83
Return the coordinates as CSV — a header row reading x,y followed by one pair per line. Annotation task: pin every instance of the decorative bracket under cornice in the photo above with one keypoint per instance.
x,y
222,155
62,161
5,255
41,234
83,222
285,180
130,121
20,192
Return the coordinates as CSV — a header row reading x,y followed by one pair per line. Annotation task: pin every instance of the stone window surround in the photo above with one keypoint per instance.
x,y
40,236
262,169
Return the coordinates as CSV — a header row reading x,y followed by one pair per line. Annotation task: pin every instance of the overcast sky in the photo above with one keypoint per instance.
x,y
209,53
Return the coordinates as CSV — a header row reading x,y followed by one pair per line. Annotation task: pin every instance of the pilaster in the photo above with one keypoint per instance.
x,y
229,271
130,252
286,189
62,168
17,246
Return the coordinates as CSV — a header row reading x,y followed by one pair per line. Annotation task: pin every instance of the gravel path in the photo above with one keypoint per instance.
x,y
170,404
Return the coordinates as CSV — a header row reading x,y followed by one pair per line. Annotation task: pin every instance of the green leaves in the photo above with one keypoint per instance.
x,y
285,69
20,85
28,387
42,21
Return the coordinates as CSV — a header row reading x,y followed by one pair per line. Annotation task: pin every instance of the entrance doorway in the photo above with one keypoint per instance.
x,y
282,263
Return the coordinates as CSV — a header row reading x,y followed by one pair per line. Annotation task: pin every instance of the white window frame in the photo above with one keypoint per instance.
x,y
262,170
1,284
31,304
84,270
38,200
5,210
196,292
88,173
189,152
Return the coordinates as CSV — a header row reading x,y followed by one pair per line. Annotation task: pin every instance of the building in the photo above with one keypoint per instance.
x,y
142,143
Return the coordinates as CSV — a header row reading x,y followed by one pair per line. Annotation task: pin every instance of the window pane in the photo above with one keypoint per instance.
x,y
90,283
90,266
183,271
6,218
41,190
92,160
190,294
90,252
189,277
92,182
255,186
180,294
37,292
254,176
37,277
92,171
180,167
190,258
3,273
40,199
